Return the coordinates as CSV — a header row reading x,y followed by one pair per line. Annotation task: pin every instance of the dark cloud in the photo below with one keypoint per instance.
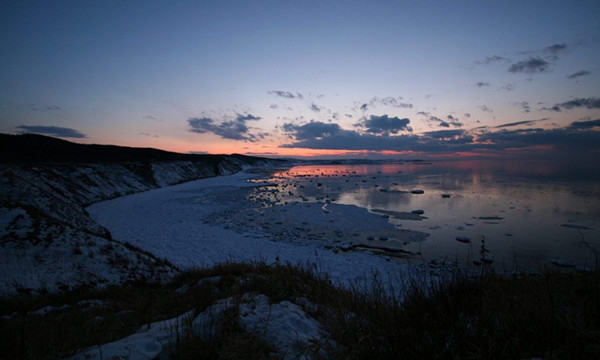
x,y
588,103
384,125
524,122
556,48
508,87
314,107
434,142
286,94
578,137
244,118
149,135
454,121
311,130
585,124
442,122
445,134
390,101
530,66
34,107
235,129
364,107
563,140
491,60
524,105
485,108
52,131
467,115
579,74
482,84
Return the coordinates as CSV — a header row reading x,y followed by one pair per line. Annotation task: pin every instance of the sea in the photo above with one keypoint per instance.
x,y
515,214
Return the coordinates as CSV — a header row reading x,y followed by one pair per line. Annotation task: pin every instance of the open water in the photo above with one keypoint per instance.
x,y
528,213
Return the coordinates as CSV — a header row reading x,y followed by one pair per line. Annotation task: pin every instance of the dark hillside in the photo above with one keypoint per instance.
x,y
44,149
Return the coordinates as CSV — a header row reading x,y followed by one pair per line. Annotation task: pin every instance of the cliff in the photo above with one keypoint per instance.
x,y
48,243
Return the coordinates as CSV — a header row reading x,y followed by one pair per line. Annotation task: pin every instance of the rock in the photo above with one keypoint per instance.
x,y
563,263
579,227
346,247
463,239
487,260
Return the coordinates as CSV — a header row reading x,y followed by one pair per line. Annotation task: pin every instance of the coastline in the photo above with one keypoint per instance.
x,y
178,224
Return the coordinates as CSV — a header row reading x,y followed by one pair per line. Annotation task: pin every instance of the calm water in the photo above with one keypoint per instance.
x,y
528,212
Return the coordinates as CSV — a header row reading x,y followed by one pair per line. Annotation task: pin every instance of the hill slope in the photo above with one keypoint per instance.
x,y
47,240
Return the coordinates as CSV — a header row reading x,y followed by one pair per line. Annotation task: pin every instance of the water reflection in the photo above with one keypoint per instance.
x,y
529,202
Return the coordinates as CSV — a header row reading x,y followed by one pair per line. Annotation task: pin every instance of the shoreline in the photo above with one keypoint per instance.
x,y
174,223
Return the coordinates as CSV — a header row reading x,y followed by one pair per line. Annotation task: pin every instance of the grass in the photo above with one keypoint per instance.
x,y
552,315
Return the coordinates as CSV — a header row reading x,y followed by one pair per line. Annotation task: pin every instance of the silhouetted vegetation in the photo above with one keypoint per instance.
x,y
551,315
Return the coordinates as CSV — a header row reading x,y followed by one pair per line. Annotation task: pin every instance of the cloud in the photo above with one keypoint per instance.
x,y
524,122
52,131
579,74
390,101
530,66
578,137
311,130
485,108
453,121
588,103
524,105
146,134
444,134
35,107
482,84
563,140
585,124
244,118
555,49
491,60
384,125
508,87
286,94
314,107
235,129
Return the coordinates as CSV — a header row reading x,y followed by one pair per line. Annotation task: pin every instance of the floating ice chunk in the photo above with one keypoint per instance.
x,y
463,239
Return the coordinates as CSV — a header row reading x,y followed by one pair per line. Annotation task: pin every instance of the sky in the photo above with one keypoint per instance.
x,y
327,79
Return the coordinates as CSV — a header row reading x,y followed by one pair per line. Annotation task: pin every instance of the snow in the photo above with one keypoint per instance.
x,y
171,222
149,342
285,326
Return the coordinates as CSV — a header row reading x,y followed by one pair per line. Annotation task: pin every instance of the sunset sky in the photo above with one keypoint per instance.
x,y
427,79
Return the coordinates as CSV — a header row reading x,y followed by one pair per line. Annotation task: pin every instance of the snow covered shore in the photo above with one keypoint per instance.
x,y
175,223
48,242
